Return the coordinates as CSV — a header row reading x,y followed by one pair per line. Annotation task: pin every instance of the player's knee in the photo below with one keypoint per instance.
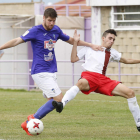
x,y
58,98
131,94
81,84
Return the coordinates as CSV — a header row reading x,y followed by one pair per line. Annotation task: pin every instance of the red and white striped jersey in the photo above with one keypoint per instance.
x,y
97,61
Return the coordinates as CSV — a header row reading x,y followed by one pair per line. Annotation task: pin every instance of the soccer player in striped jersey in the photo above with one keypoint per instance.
x,y
93,77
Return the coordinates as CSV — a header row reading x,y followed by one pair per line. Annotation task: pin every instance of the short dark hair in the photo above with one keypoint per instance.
x,y
50,12
111,31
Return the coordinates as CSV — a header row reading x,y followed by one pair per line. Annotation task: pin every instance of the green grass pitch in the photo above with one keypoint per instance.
x,y
87,117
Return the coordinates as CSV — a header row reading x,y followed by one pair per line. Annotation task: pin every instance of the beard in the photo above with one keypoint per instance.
x,y
48,27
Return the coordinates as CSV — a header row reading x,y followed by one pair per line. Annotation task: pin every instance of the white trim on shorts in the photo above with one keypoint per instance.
x,y
47,82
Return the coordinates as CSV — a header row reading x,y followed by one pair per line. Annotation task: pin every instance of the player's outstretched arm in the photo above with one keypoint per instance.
x,y
74,57
93,46
129,61
12,43
83,43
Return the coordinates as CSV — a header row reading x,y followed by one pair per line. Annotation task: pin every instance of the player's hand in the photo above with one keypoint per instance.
x,y
97,47
75,36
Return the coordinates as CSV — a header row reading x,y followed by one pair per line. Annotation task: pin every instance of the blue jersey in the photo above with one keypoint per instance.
x,y
43,43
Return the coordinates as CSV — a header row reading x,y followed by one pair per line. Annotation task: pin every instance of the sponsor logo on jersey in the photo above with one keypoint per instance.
x,y
49,44
48,57
45,34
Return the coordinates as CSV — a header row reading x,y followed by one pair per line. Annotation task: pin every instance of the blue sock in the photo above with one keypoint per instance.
x,y
44,110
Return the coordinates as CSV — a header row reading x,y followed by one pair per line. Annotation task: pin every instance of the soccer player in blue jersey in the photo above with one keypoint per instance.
x,y
43,38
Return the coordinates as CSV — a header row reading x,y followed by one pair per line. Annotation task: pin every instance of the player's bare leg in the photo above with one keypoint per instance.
x,y
122,90
58,98
82,84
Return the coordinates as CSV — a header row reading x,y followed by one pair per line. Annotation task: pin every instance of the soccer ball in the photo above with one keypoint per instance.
x,y
35,126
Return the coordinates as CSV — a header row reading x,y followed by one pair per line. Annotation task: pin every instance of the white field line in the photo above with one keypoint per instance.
x,y
98,101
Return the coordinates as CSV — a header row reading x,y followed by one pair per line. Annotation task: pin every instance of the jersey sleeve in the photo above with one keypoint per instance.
x,y
63,36
29,34
81,53
116,56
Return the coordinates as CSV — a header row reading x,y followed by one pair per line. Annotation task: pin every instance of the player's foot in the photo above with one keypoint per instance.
x,y
30,117
24,126
58,106
138,128
138,124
